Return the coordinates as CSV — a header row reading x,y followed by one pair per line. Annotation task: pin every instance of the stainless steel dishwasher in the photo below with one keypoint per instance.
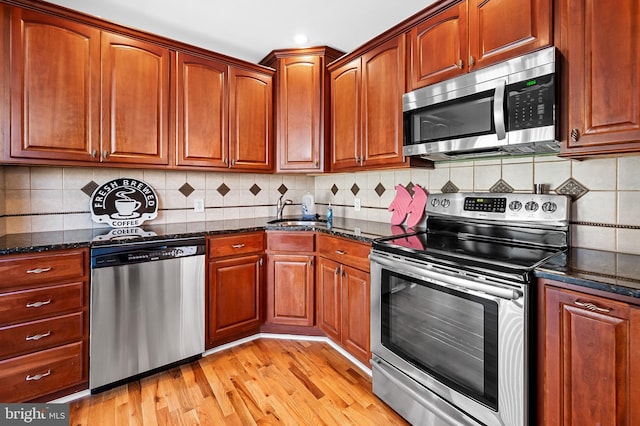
x,y
147,308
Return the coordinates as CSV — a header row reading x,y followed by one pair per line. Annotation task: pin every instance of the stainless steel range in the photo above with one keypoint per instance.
x,y
450,330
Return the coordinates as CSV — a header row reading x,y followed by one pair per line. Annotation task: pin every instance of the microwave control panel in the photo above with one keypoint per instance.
x,y
531,103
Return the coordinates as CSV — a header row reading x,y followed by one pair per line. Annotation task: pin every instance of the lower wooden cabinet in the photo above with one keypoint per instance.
x,y
290,278
589,356
44,325
343,294
234,287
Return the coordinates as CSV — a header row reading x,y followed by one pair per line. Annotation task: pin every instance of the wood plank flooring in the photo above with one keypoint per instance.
x,y
262,382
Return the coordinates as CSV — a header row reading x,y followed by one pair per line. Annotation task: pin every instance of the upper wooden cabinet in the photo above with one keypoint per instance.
x,y
135,101
471,34
366,108
58,108
203,93
55,96
599,45
301,107
250,119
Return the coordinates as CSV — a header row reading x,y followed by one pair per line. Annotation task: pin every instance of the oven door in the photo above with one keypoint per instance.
x,y
463,339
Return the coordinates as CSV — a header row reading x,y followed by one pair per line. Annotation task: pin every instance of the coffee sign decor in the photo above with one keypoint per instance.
x,y
124,203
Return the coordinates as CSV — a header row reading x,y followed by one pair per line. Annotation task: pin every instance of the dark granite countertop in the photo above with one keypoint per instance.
x,y
361,230
600,270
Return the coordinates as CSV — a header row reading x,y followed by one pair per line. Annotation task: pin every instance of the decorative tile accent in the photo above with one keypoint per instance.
x,y
355,189
380,189
334,189
223,189
449,188
409,187
282,189
501,186
255,189
89,188
186,189
572,188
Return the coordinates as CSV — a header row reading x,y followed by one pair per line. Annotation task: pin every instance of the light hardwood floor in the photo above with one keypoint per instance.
x,y
262,382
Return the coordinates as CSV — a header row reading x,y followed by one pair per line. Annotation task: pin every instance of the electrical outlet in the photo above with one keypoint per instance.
x,y
198,205
356,204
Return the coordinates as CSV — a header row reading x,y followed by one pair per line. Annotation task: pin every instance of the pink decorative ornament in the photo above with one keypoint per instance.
x,y
399,205
416,208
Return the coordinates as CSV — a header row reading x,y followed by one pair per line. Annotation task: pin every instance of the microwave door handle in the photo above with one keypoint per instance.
x,y
498,110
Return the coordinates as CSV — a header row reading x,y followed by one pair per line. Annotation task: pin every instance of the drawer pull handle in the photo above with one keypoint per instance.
x,y
237,245
341,252
38,336
37,376
39,270
592,307
38,304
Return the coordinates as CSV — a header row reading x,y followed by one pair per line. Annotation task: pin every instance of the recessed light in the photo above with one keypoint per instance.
x,y
300,39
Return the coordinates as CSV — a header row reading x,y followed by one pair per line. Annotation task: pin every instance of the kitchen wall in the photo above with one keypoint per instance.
x,y
605,211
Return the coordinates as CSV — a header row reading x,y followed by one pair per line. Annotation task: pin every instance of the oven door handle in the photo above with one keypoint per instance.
x,y
448,280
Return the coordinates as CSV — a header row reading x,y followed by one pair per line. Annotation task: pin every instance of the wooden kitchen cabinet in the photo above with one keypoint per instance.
x,y
235,272
472,34
343,294
44,325
590,350
301,91
290,278
81,94
250,119
366,108
598,41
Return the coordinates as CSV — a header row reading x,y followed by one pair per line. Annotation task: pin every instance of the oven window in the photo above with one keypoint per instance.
x,y
464,117
451,335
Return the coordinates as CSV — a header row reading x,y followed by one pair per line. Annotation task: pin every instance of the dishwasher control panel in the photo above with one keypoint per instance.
x,y
149,252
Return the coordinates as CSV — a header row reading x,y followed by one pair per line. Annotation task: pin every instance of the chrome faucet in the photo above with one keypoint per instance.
x,y
281,205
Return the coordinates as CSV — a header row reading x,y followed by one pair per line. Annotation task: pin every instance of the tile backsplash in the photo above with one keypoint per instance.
x,y
606,193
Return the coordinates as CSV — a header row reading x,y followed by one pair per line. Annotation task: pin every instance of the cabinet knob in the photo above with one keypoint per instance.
x,y
94,153
233,163
310,262
341,252
105,154
316,164
37,376
39,270
575,135
472,61
38,336
337,271
460,63
226,161
38,304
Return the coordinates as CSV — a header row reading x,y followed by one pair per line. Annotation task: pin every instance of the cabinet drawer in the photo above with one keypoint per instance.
x,y
291,241
231,245
19,271
37,335
30,376
344,251
25,305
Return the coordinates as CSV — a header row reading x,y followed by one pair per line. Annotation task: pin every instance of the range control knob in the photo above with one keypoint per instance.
x,y
531,206
445,203
435,202
549,207
515,206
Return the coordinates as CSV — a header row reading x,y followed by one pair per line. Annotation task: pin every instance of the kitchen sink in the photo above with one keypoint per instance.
x,y
298,222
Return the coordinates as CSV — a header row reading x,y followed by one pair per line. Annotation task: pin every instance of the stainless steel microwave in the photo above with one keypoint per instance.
x,y
507,108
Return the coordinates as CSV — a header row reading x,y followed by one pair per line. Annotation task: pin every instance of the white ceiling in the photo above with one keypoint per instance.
x,y
250,29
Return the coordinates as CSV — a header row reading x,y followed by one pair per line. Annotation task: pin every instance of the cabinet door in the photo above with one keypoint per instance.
x,y
55,107
135,101
202,112
251,129
355,313
502,29
234,297
383,75
438,47
602,53
591,357
299,114
345,116
328,298
290,289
